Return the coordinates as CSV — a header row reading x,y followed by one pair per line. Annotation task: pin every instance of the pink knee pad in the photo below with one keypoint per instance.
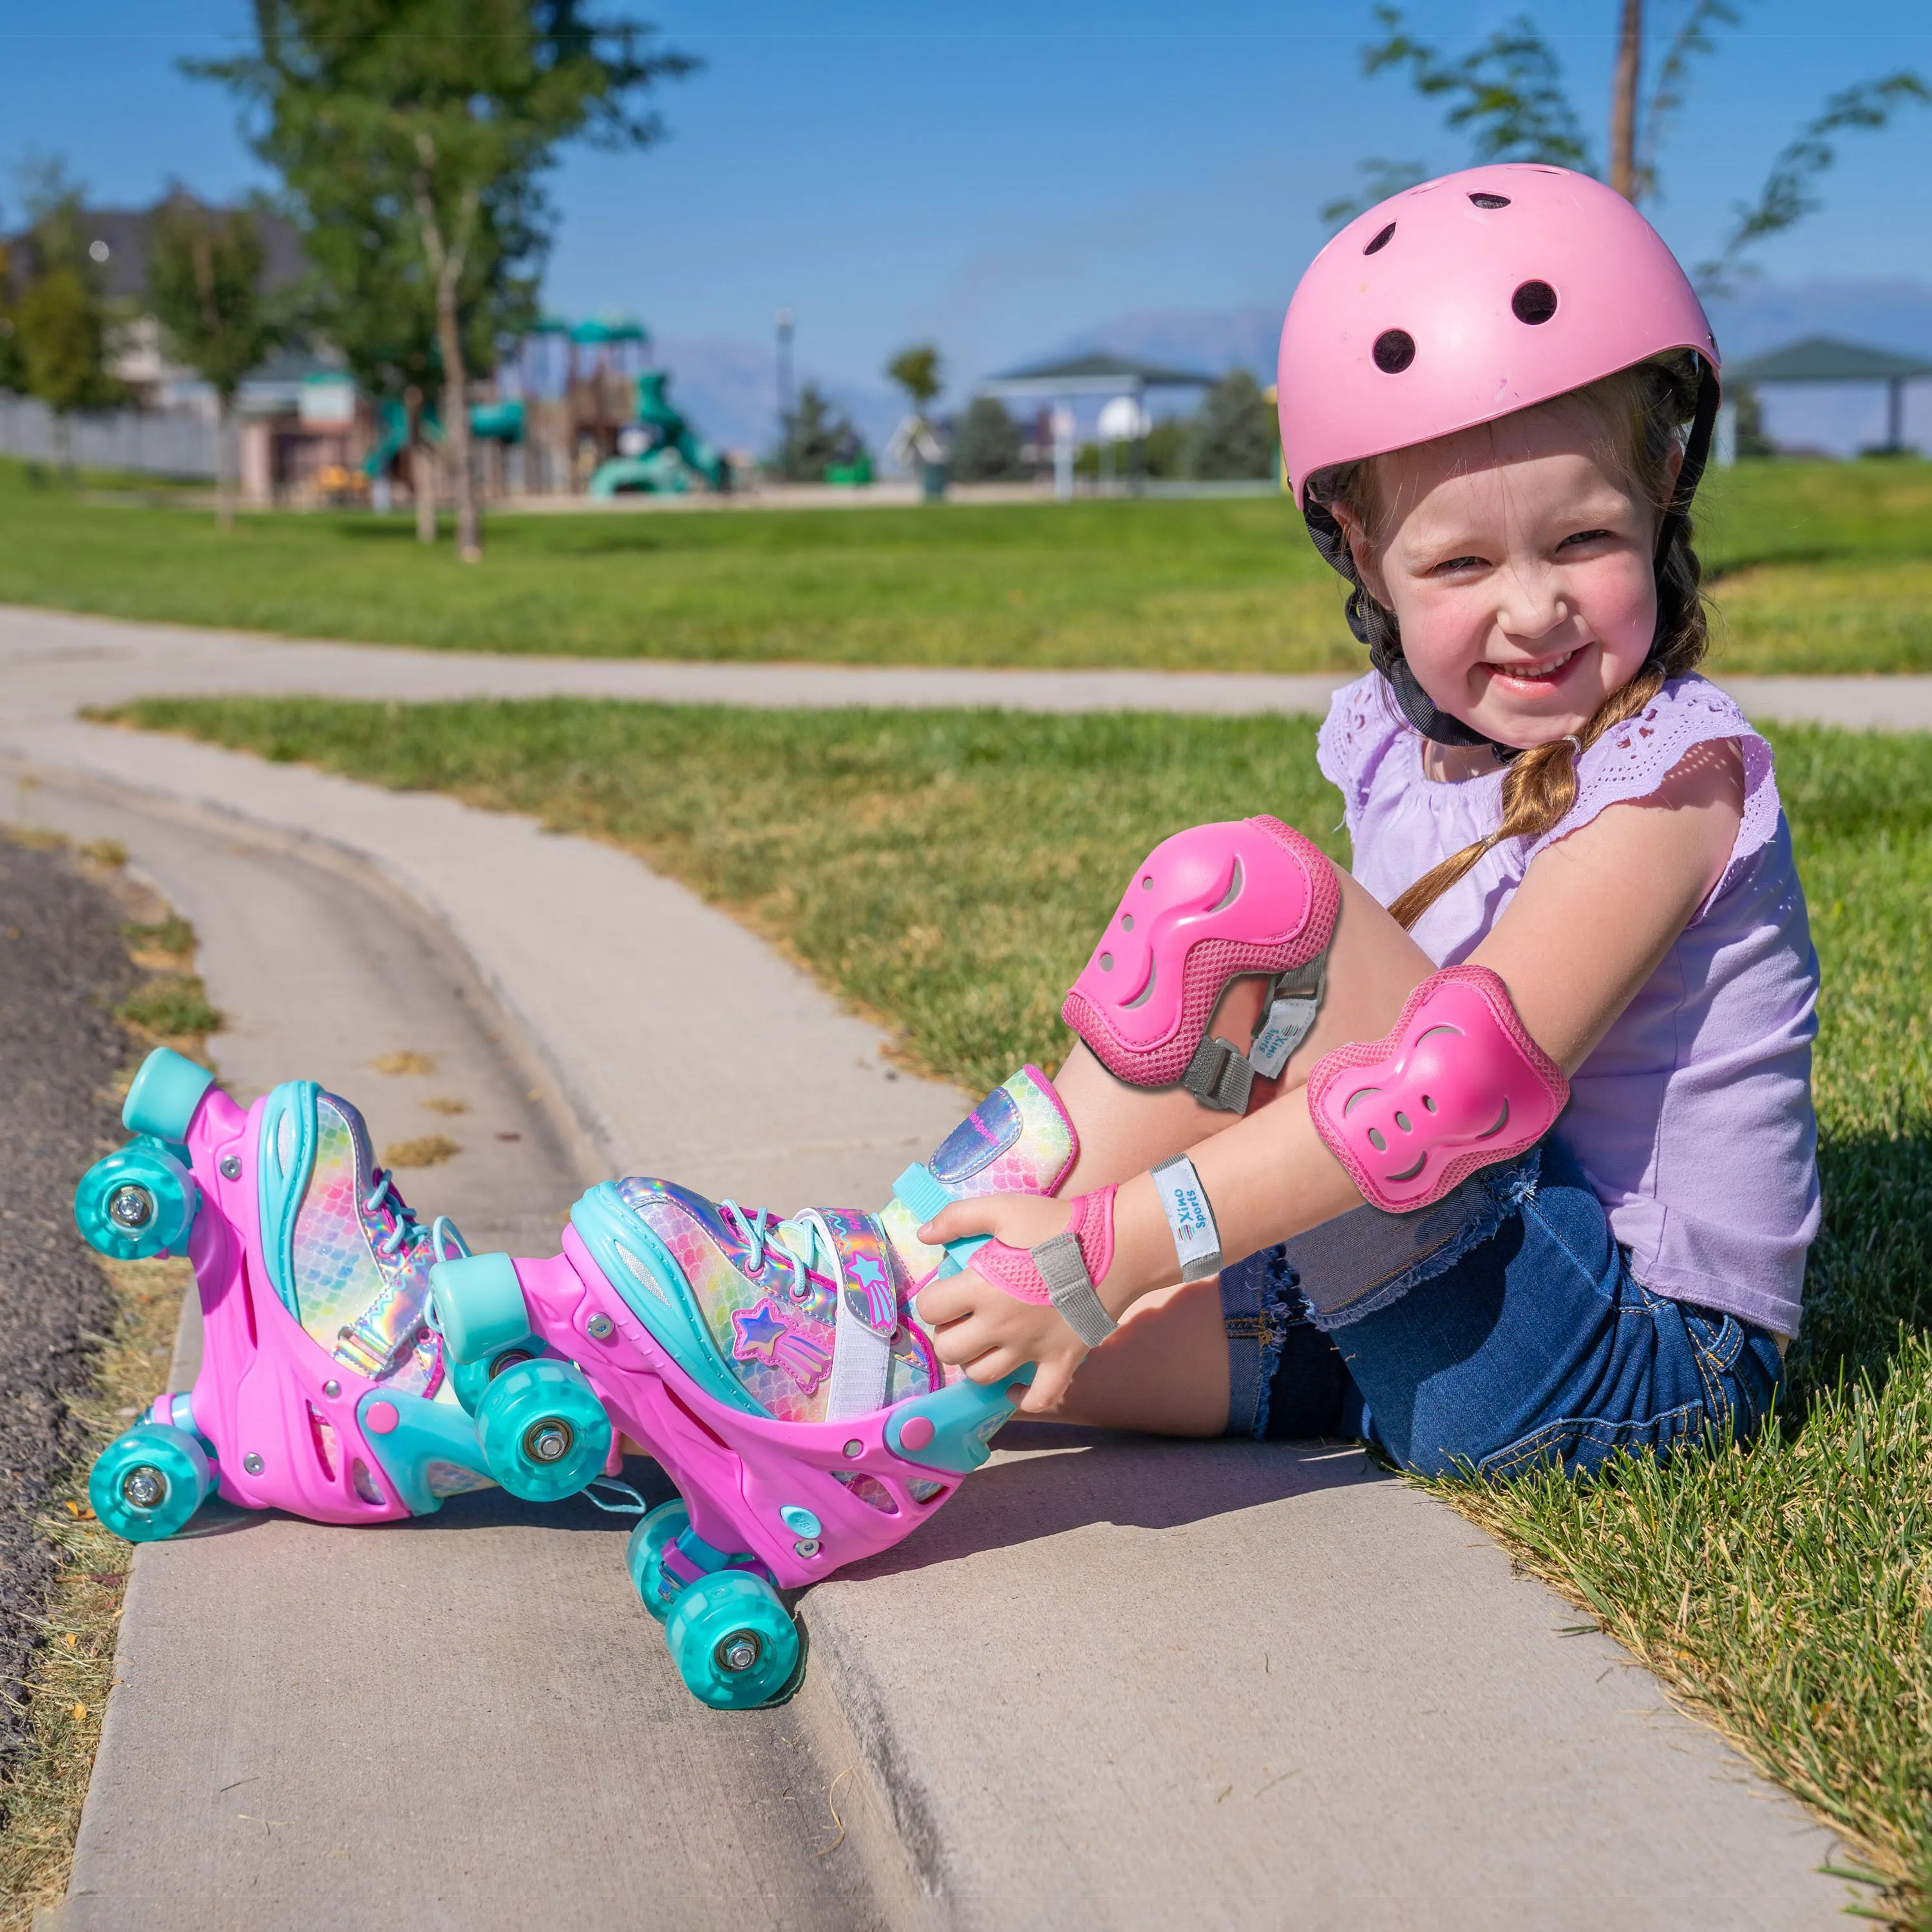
x,y
1248,895
1458,1085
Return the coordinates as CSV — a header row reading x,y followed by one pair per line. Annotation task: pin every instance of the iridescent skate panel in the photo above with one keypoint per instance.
x,y
774,1327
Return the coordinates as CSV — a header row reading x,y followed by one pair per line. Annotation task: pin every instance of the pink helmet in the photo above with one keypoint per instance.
x,y
1463,299
1460,301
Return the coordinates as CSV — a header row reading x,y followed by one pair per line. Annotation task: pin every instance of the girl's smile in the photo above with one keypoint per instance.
x,y
1517,560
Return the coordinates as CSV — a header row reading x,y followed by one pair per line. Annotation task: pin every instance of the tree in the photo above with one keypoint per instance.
x,y
1234,434
423,126
205,287
986,444
1508,96
916,370
59,325
816,440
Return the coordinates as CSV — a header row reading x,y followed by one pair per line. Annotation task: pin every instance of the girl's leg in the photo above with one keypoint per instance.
x,y
1539,1345
1166,1371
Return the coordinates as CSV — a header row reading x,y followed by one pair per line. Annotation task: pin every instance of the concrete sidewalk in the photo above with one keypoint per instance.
x,y
45,656
1117,1682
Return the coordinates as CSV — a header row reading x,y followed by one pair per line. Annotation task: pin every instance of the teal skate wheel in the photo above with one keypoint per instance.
x,y
137,1203
164,1095
146,1484
734,1644
543,1432
479,1305
644,1555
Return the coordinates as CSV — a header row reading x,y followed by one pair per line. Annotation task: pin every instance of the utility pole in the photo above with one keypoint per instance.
x,y
1623,101
784,365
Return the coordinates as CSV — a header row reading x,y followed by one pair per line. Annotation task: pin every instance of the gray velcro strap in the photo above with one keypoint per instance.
x,y
1064,1270
1218,1077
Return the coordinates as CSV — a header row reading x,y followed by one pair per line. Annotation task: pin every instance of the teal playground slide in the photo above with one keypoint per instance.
x,y
671,457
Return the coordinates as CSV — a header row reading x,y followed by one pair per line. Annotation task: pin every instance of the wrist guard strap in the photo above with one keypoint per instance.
x,y
1064,1270
1457,1086
1197,1241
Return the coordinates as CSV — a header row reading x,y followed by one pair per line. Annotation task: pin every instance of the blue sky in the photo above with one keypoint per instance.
x,y
1007,176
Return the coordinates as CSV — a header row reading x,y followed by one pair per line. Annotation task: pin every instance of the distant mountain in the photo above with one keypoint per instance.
x,y
729,390
1895,315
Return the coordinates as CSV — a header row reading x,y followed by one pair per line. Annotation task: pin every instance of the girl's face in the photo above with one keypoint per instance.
x,y
1519,567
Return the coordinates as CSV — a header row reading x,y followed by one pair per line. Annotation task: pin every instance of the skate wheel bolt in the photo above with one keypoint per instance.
x,y
548,1442
916,1432
799,1520
253,1463
143,1486
231,1167
806,1545
739,1652
855,1448
381,1417
130,1206
600,1327
331,1388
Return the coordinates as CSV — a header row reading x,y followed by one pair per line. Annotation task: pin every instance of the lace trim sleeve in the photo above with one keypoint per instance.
x,y
1354,735
1632,761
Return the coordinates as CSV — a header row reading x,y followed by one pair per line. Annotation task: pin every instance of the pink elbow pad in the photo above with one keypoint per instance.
x,y
1248,895
1458,1085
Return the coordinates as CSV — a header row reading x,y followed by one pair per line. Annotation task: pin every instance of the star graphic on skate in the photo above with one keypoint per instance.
x,y
762,1336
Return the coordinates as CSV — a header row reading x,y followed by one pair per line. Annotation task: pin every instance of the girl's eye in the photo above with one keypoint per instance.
x,y
1586,536
1457,563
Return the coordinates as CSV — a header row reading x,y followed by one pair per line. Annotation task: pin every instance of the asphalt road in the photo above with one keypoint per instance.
x,y
62,967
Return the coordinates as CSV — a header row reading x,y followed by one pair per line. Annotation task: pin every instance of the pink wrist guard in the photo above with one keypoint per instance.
x,y
1247,895
1457,1086
1065,1270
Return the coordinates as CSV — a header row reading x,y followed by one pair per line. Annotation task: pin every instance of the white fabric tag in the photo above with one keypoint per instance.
x,y
1197,1241
1286,1027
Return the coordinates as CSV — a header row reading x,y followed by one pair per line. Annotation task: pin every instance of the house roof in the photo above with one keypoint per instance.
x,y
124,232
1079,375
1820,359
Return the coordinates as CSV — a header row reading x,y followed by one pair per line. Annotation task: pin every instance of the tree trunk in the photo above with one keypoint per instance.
x,y
456,426
1623,101
224,469
422,468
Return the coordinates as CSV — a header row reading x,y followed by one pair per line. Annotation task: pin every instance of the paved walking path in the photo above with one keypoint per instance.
x,y
41,650
1117,1682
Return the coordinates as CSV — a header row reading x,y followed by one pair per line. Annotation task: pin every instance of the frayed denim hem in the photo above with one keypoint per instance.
x,y
1355,1265
1259,1304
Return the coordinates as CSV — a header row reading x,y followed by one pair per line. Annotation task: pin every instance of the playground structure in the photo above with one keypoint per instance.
x,y
578,411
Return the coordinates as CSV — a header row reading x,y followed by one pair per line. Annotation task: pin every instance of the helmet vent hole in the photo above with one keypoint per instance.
x,y
1395,350
1490,200
1534,302
1381,240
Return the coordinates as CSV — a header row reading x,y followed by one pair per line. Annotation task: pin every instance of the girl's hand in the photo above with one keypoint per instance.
x,y
981,1327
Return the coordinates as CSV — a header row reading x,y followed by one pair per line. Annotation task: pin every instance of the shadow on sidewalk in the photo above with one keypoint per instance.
x,y
1066,1479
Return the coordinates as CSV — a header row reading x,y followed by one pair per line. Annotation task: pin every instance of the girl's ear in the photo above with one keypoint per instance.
x,y
1368,564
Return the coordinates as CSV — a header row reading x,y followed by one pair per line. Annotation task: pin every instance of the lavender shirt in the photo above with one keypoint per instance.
x,y
1692,1117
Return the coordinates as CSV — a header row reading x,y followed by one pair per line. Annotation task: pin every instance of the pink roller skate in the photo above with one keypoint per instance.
x,y
774,1369
322,1389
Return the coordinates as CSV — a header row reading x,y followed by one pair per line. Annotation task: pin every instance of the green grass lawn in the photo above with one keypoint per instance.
x,y
1815,567
947,871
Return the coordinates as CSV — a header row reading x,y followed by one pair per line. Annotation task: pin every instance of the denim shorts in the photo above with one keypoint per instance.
x,y
1506,1333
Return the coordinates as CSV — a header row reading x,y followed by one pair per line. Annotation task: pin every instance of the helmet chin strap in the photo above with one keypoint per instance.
x,y
1385,652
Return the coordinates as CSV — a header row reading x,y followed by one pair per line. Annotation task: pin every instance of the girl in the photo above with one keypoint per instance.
x,y
1592,925
1484,387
